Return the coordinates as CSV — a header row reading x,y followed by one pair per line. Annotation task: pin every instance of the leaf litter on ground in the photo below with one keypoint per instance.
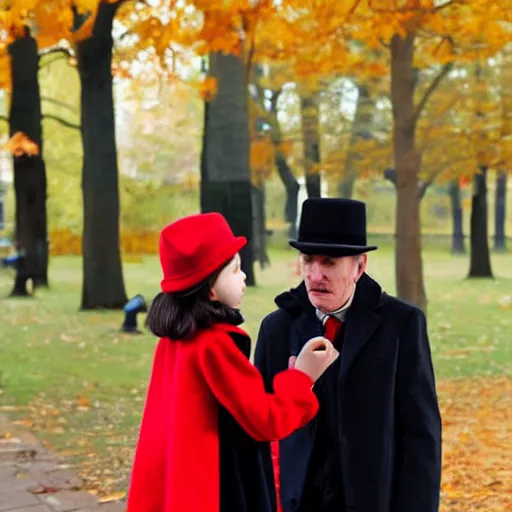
x,y
99,440
477,447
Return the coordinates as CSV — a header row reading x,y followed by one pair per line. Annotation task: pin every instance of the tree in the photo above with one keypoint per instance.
x,y
223,32
103,284
505,163
225,165
458,246
311,142
360,129
437,31
266,107
480,259
500,211
29,169
20,78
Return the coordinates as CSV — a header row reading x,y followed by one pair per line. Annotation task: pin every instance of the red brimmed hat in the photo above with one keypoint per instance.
x,y
194,247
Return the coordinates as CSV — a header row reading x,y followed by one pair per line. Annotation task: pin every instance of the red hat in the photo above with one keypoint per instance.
x,y
194,247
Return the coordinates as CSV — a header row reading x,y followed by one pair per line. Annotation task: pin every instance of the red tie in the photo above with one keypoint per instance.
x,y
331,328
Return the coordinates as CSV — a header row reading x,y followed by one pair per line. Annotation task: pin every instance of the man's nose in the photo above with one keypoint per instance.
x,y
315,272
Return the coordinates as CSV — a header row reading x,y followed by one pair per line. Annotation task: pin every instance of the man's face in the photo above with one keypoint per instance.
x,y
330,281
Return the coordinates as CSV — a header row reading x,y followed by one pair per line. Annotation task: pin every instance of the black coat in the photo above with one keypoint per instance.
x,y
245,486
389,423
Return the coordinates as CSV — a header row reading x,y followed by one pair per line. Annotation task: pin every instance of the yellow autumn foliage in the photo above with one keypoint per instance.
x,y
64,242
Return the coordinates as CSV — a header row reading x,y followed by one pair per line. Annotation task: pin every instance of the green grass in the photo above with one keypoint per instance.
x,y
79,382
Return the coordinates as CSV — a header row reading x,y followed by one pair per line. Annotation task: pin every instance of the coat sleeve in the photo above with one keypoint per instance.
x,y
239,387
418,422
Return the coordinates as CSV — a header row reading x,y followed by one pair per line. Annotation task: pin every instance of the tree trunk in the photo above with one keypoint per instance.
x,y
29,171
103,284
458,246
360,130
225,162
311,144
480,262
291,185
479,259
500,212
408,259
260,231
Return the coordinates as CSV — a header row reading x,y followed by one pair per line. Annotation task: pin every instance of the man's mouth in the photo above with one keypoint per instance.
x,y
319,290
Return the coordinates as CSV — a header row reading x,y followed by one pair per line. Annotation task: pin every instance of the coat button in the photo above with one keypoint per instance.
x,y
294,502
344,441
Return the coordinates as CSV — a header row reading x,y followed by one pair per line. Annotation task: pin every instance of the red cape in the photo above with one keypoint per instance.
x,y
176,465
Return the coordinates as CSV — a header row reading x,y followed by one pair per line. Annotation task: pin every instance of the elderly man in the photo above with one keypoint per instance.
x,y
375,445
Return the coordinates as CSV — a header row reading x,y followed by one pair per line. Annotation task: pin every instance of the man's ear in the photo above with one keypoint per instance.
x,y
361,266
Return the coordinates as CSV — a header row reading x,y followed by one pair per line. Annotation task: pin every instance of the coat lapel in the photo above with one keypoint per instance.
x,y
362,321
358,331
306,327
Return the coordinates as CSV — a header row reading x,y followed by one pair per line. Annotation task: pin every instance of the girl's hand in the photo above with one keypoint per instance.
x,y
315,357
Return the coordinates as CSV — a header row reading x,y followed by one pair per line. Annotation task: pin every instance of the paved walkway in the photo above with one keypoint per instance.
x,y
34,480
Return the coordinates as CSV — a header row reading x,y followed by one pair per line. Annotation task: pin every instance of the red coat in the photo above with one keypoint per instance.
x,y
176,466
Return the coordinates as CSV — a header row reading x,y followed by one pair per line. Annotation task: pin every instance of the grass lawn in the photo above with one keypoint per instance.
x,y
79,383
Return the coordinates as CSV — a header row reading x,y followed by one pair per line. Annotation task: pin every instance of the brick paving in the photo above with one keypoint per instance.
x,y
32,479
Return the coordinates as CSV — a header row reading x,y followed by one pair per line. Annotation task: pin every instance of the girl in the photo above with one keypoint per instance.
x,y
206,409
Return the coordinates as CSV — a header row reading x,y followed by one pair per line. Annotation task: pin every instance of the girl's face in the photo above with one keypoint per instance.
x,y
229,286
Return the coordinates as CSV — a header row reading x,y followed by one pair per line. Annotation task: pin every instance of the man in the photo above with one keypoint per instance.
x,y
375,445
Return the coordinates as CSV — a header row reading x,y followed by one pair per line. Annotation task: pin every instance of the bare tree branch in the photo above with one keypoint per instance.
x,y
390,175
423,185
66,51
63,122
431,88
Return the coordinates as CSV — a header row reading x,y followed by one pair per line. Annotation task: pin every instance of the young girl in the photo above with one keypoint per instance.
x,y
206,410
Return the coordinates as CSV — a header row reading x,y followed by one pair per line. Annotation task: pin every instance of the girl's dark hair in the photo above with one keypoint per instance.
x,y
180,315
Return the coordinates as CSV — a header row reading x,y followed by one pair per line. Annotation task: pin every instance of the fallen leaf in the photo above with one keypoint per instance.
x,y
82,403
112,497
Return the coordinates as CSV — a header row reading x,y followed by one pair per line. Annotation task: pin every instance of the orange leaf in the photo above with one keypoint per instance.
x,y
19,144
208,88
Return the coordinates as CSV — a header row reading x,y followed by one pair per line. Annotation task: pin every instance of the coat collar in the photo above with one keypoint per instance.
x,y
361,321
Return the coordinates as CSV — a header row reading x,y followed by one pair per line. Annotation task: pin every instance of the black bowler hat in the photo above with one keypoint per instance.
x,y
332,227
